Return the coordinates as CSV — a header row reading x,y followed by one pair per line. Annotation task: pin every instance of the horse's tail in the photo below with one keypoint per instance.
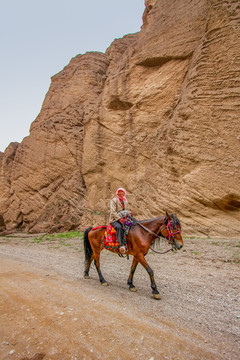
x,y
87,246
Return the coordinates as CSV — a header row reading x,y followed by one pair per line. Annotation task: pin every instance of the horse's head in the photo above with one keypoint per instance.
x,y
171,230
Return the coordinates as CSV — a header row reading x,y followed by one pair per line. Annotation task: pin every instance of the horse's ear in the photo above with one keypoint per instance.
x,y
168,216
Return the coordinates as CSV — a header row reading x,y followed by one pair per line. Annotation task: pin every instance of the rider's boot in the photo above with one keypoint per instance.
x,y
123,249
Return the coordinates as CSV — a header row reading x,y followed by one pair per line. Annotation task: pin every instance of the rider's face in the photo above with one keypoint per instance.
x,y
121,193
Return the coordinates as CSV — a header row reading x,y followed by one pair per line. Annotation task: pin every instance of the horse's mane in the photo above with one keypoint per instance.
x,y
175,220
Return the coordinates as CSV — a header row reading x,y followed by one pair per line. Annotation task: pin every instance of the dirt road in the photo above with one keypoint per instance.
x,y
48,311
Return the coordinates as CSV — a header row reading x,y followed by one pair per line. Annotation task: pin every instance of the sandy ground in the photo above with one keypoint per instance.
x,y
49,311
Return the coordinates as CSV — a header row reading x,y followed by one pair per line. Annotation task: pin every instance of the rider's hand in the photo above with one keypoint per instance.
x,y
123,213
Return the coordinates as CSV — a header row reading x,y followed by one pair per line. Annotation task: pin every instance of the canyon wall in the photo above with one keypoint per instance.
x,y
158,114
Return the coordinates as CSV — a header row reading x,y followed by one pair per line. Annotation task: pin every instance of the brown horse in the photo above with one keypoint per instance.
x,y
139,239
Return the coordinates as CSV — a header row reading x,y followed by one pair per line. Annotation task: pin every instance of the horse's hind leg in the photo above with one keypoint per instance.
x,y
87,267
144,263
97,264
132,271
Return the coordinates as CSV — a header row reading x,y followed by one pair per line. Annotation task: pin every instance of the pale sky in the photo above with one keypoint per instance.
x,y
39,37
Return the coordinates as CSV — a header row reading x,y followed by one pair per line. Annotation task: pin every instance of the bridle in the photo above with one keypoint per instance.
x,y
171,234
170,231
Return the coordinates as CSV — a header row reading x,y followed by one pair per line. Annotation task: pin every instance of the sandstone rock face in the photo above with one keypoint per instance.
x,y
158,114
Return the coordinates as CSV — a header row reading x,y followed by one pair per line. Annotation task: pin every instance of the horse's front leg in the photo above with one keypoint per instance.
x,y
144,263
132,271
97,264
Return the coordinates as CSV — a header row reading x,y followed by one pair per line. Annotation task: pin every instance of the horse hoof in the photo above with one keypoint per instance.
x,y
133,289
105,283
86,277
157,296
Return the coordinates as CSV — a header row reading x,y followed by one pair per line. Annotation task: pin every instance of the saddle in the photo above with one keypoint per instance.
x,y
110,241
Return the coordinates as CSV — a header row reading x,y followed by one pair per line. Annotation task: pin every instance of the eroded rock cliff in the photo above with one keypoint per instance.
x,y
158,113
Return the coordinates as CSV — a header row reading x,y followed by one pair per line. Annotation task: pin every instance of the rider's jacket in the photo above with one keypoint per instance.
x,y
116,208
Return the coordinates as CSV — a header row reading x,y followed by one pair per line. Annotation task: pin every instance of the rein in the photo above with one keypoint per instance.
x,y
159,237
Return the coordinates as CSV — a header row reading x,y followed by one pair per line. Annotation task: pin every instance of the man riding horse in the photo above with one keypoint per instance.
x,y
139,239
119,209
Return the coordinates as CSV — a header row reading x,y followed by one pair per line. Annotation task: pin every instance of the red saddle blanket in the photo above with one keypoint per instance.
x,y
110,241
